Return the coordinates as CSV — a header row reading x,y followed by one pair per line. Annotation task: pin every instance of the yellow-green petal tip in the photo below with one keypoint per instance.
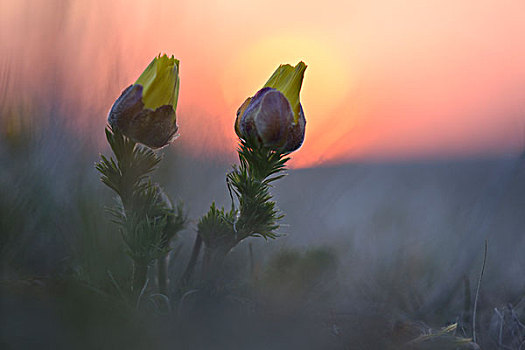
x,y
288,80
160,82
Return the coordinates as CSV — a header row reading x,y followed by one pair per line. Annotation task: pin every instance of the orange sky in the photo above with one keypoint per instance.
x,y
386,79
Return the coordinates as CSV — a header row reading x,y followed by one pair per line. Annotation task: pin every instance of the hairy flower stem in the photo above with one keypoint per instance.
x,y
162,274
193,261
253,212
140,273
206,262
212,263
147,219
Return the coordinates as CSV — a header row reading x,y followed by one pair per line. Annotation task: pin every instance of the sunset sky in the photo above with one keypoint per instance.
x,y
386,79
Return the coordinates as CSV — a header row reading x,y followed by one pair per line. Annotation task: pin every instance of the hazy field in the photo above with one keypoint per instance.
x,y
372,255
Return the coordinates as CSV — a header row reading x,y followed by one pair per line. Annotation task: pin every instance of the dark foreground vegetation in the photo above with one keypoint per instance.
x,y
65,282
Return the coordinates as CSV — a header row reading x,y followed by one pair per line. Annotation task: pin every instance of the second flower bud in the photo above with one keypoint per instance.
x,y
274,117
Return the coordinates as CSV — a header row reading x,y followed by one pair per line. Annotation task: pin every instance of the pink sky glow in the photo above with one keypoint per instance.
x,y
386,79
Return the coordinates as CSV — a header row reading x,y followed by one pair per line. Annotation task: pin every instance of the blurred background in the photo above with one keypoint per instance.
x,y
386,79
413,157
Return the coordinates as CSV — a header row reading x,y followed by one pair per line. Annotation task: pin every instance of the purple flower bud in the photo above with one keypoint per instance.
x,y
268,118
145,112
153,128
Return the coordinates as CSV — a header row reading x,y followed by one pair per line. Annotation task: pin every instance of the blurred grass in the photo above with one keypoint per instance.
x,y
63,265
52,215
294,279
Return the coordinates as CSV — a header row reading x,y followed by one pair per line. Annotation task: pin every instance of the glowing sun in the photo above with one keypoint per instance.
x,y
326,79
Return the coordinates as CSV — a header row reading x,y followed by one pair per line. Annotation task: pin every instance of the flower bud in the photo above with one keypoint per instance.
x,y
274,117
145,112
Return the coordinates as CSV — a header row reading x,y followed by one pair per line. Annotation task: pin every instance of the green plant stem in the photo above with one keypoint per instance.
x,y
140,273
206,263
192,262
212,262
253,212
162,274
474,338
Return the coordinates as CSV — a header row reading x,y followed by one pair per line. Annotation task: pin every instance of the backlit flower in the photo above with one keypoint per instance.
x,y
145,111
274,117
